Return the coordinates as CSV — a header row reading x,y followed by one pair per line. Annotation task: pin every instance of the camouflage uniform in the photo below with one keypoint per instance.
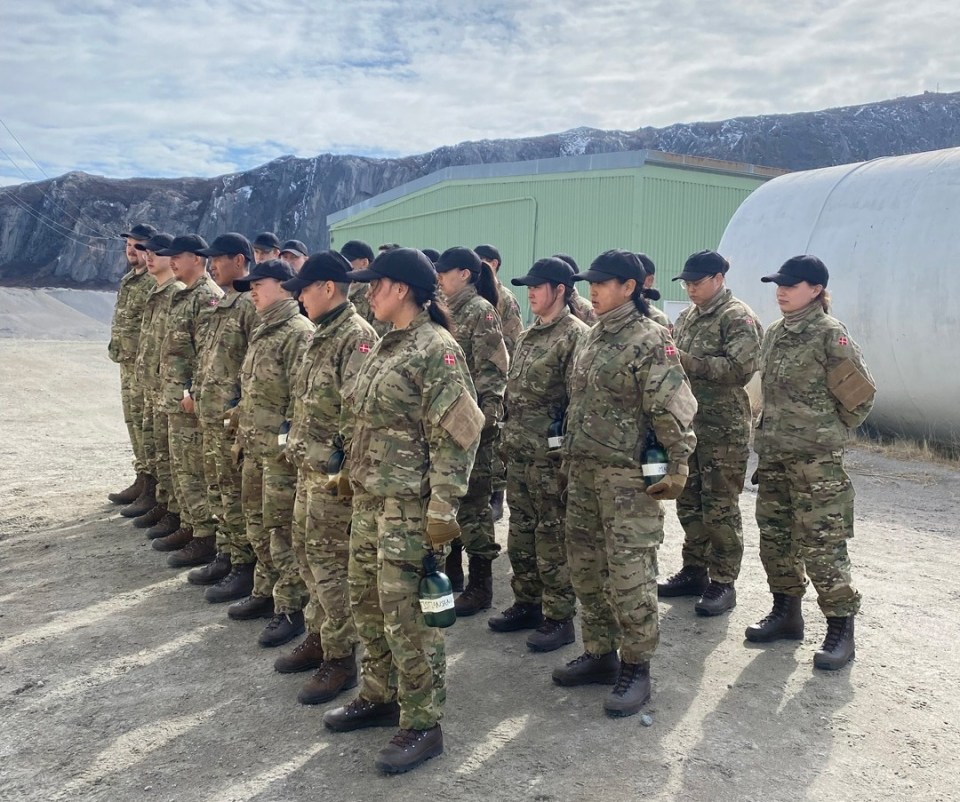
x,y
537,396
805,498
190,310
135,286
269,479
417,431
511,324
477,329
657,315
358,297
216,387
156,436
583,308
321,520
719,349
626,379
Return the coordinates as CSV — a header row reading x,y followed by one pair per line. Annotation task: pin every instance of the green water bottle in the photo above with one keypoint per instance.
x,y
555,435
436,595
653,461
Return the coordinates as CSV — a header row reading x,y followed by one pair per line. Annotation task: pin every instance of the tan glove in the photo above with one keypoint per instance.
x,y
439,533
283,458
670,487
339,485
236,454
231,421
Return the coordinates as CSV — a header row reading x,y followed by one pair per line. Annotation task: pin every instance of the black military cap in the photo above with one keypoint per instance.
x,y
294,246
648,266
156,243
406,265
323,266
613,264
272,268
229,244
569,260
355,249
459,258
266,241
551,269
488,252
431,253
185,243
800,268
703,264
141,232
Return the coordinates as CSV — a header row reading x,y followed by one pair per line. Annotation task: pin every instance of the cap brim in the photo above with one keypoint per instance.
x,y
685,276
781,280
168,252
242,284
363,275
530,281
210,252
296,253
131,235
592,276
295,284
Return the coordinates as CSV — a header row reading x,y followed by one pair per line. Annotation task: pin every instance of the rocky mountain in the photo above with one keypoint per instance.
x,y
62,232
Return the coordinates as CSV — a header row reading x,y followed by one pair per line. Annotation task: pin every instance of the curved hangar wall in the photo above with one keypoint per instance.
x,y
889,232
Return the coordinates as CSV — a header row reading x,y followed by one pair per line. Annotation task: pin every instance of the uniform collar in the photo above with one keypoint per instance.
x,y
798,321
460,297
328,322
614,320
715,303
541,326
280,312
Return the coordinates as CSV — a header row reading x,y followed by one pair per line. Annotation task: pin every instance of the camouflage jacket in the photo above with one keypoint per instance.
x,y
216,380
627,379
720,350
152,333
339,347
358,297
135,286
582,308
268,374
417,424
511,323
190,312
537,383
657,315
798,359
478,332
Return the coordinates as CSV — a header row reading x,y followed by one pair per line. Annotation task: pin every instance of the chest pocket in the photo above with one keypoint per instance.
x,y
612,409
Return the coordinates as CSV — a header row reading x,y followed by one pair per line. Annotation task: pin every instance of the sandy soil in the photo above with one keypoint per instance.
x,y
118,682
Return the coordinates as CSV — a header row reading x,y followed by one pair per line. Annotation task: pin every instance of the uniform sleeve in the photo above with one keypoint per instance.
x,y
740,359
848,378
355,352
490,364
669,403
511,323
293,350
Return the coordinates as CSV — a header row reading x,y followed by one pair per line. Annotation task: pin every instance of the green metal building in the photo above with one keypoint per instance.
x,y
667,206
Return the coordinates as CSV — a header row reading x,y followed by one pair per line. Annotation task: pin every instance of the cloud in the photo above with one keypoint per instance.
x,y
203,88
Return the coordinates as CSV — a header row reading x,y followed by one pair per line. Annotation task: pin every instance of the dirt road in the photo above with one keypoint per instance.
x,y
118,682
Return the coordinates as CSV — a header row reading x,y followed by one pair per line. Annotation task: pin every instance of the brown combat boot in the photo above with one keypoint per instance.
x,y
238,584
145,502
838,647
175,541
631,692
408,749
169,524
599,669
519,615
334,676
360,714
212,572
691,580
151,518
129,494
551,635
307,655
479,593
453,567
716,599
198,551
784,621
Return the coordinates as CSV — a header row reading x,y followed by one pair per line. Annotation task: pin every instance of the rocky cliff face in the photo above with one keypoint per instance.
x,y
62,232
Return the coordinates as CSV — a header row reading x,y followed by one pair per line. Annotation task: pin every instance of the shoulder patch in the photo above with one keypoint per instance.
x,y
364,348
670,349
214,302
449,359
843,340
488,316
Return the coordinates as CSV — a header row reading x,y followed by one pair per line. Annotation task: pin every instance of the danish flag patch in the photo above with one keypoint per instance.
x,y
449,359
489,315
844,341
748,321
214,301
670,350
364,348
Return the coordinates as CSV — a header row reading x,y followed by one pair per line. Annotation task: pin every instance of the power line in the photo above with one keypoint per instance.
x,y
52,224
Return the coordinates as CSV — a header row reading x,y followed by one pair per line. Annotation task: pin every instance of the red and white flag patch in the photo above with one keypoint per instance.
x,y
489,315
449,359
670,350
364,348
843,341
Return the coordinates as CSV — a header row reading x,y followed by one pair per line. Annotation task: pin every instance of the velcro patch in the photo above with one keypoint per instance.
x,y
849,386
463,421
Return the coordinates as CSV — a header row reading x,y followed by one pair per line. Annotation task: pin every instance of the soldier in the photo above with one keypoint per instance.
x,y
815,388
164,518
416,433
322,429
718,338
269,480
650,269
537,398
626,381
190,309
470,288
581,307
511,323
360,256
135,286
216,392
294,253
432,254
266,246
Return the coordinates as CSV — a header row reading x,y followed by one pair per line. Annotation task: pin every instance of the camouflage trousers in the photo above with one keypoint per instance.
x,y
613,529
474,516
131,398
268,490
498,468
156,449
805,515
321,540
535,543
189,481
709,510
403,657
223,492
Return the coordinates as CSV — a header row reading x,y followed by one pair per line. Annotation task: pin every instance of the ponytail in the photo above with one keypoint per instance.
x,y
639,299
824,299
486,284
568,299
437,311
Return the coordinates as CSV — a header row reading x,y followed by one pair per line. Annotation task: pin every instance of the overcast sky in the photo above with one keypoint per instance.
x,y
193,87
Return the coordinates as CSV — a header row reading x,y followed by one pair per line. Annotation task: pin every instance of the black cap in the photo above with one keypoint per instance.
x,y
229,244
323,266
294,246
156,243
141,232
406,265
613,264
569,260
266,241
389,246
648,266
459,258
185,243
431,253
488,252
271,268
800,268
551,269
355,249
703,264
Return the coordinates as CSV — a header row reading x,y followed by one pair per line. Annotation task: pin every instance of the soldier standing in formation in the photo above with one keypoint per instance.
x,y
537,399
656,314
718,338
294,253
470,288
580,306
360,256
266,246
417,429
626,380
815,388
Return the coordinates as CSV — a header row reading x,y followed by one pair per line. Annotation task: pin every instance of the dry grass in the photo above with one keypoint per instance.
x,y
907,448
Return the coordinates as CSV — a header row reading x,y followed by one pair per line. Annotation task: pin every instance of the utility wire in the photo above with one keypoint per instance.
x,y
52,224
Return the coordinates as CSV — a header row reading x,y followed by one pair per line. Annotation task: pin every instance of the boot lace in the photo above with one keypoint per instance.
x,y
714,591
407,738
228,579
835,630
586,657
277,621
549,626
628,674
684,575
